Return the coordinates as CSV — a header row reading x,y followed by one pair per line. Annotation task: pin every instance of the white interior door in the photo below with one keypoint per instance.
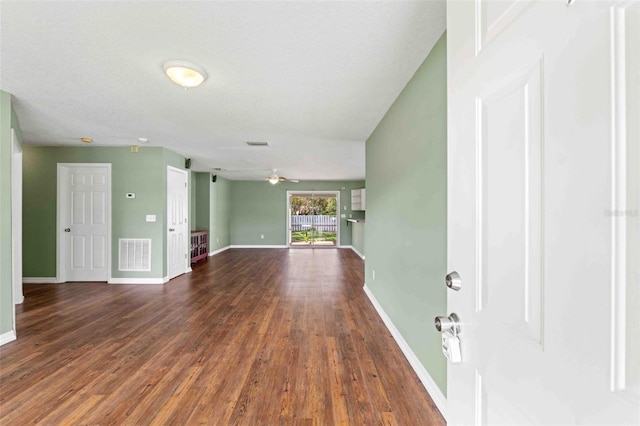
x,y
84,218
16,218
543,211
177,227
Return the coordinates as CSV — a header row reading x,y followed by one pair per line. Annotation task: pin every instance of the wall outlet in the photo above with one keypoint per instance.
x,y
150,218
262,236
374,274
345,207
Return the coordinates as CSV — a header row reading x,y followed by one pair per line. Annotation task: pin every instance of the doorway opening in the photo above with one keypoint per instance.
x,y
312,218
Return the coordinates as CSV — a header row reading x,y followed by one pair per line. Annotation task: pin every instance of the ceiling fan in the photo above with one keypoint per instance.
x,y
274,178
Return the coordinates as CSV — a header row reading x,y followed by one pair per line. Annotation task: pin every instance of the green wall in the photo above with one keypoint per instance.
x,y
192,200
357,236
144,173
8,119
213,207
203,202
220,208
259,208
406,211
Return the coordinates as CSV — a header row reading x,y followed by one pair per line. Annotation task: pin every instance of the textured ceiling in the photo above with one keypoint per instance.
x,y
311,78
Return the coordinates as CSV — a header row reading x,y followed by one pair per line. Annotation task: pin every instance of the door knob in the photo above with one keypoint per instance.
x,y
453,280
452,322
67,229
171,229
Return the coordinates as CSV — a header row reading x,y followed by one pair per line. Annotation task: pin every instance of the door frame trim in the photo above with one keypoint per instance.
x,y
60,254
288,210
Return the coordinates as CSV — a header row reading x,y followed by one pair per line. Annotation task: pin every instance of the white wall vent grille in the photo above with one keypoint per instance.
x,y
134,254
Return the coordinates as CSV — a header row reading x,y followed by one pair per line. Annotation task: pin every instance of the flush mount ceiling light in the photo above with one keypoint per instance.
x,y
185,74
86,140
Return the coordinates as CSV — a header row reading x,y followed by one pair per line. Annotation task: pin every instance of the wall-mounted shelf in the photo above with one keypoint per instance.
x,y
358,199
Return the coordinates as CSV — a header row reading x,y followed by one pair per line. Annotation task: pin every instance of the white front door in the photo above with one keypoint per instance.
x,y
84,217
543,175
177,227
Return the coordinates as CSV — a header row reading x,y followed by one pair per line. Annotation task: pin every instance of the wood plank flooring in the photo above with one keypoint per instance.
x,y
250,337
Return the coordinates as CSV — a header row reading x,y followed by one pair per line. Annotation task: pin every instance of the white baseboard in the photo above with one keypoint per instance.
x,y
360,255
251,246
427,381
39,280
139,280
213,253
20,300
7,337
357,252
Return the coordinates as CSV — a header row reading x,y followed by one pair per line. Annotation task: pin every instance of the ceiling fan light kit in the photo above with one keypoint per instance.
x,y
273,179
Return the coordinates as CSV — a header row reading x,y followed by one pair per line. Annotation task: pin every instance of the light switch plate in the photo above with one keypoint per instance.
x,y
151,218
130,195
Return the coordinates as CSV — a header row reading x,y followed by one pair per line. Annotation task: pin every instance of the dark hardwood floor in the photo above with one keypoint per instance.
x,y
250,337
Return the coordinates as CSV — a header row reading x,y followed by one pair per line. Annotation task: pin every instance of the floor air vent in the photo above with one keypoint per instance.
x,y
134,254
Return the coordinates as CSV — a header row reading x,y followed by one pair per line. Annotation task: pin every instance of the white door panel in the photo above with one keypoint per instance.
x,y
84,211
541,222
177,226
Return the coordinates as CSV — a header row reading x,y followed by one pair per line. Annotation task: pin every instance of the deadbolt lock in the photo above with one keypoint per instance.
x,y
453,280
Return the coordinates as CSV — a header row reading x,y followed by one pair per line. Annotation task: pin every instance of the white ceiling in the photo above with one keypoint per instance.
x,y
312,78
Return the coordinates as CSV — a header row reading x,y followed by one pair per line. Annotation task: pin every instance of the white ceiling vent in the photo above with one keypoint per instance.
x,y
134,254
258,143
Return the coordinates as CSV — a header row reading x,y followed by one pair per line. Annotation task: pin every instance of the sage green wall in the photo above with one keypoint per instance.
x,y
406,211
220,207
213,206
144,173
192,200
259,208
8,119
357,236
203,202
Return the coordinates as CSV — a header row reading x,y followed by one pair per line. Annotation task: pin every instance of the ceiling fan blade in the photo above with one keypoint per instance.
x,y
283,179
